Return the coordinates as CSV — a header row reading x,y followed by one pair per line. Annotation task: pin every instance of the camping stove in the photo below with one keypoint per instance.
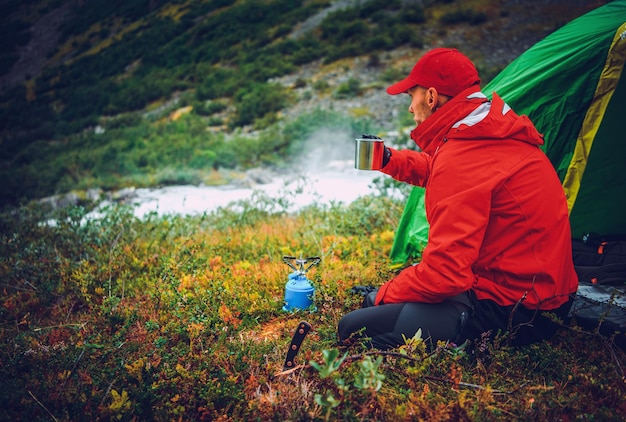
x,y
299,291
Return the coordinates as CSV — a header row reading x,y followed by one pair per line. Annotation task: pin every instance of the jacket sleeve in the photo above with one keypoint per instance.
x,y
408,166
458,218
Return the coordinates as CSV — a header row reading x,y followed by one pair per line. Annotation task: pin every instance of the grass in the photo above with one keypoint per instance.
x,y
179,318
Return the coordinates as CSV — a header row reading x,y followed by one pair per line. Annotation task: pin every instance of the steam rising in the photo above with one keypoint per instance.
x,y
328,150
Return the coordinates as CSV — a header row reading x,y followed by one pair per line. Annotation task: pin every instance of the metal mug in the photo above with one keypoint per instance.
x,y
368,154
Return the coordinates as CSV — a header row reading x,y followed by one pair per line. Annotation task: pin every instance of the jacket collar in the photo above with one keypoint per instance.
x,y
431,132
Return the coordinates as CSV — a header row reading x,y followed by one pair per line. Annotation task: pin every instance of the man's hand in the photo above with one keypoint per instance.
x,y
386,156
363,290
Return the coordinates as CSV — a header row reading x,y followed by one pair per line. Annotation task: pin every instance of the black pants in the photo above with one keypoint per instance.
x,y
456,320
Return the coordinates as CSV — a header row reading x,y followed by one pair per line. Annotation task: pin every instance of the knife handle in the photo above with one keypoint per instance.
x,y
294,347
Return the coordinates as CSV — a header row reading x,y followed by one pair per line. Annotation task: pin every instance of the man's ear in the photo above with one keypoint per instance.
x,y
432,98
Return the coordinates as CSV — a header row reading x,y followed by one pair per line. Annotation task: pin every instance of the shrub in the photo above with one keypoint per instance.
x,y
219,82
392,74
464,15
380,42
351,88
208,108
255,101
321,85
413,14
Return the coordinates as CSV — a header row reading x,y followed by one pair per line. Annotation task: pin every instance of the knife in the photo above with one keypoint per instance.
x,y
296,341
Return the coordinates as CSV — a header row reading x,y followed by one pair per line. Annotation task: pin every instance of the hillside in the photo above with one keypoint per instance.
x,y
73,70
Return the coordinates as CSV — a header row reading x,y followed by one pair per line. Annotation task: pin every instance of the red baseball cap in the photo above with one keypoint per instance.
x,y
445,69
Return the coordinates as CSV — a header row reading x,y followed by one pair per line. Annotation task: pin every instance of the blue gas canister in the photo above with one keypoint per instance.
x,y
299,291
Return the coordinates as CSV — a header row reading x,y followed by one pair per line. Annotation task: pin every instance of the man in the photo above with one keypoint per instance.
x,y
499,247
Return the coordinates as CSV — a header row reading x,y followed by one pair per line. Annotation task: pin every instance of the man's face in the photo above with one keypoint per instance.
x,y
420,107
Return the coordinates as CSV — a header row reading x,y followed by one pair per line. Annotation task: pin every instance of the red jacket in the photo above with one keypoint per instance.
x,y
498,216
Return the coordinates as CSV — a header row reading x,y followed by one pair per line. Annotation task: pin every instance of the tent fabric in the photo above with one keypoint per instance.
x,y
607,85
414,229
570,86
598,203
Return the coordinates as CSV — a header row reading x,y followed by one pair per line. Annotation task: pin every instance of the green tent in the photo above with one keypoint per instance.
x,y
570,86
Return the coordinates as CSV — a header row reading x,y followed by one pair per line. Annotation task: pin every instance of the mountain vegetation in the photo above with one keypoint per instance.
x,y
90,88
117,61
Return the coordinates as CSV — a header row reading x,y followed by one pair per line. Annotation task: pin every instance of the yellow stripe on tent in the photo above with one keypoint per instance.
x,y
595,113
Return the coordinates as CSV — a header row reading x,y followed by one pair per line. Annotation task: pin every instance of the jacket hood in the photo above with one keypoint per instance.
x,y
496,120
471,116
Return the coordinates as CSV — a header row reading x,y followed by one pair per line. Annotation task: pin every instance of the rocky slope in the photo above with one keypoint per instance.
x,y
513,26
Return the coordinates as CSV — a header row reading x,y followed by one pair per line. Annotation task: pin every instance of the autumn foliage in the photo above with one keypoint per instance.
x,y
180,318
